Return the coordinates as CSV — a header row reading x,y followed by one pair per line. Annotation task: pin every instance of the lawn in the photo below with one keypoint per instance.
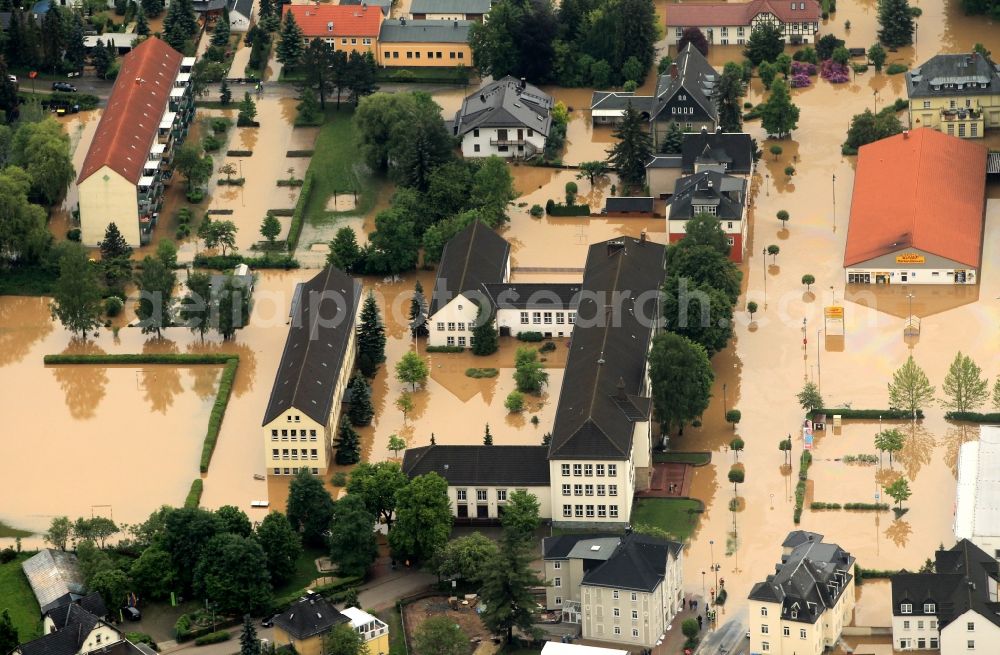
x,y
675,516
397,641
27,281
12,533
16,597
696,459
305,571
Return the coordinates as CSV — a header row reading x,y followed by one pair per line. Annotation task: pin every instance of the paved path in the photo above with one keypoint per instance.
x,y
669,480
385,590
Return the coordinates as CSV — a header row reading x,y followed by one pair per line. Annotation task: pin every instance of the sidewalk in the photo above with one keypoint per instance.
x,y
673,642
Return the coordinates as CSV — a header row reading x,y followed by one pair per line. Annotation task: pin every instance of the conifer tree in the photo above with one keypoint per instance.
x,y
418,312
290,48
633,150
348,444
362,410
371,337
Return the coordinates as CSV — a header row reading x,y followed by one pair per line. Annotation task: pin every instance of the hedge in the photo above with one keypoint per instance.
x,y
298,215
530,336
800,489
444,349
232,181
239,153
558,209
142,358
218,212
870,574
281,212
229,262
299,153
867,507
218,412
85,101
819,505
846,412
896,69
213,638
293,182
142,638
194,496
480,373
973,417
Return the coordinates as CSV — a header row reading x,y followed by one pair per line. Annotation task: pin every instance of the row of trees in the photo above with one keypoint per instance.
x,y
326,72
582,43
54,45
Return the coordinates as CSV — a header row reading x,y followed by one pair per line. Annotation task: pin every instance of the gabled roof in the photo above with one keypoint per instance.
x,y
954,75
692,75
242,7
735,149
401,30
617,101
336,20
710,14
639,563
70,636
506,102
208,5
536,295
63,615
132,117
923,190
597,546
796,538
316,347
485,465
708,188
614,204
450,7
664,161
599,403
475,256
384,5
54,576
309,616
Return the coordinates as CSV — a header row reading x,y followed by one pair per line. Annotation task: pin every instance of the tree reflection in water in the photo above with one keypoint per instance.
x,y
83,385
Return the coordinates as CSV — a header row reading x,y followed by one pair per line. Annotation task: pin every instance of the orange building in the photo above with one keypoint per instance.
x,y
345,27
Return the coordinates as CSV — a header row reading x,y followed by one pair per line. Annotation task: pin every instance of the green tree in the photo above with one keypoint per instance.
x,y
696,38
690,629
701,263
699,312
394,243
529,376
156,284
810,398
421,148
249,643
767,72
248,110
779,116
899,491
996,394
371,337
423,518
877,55
412,369
840,56
672,140
344,640
705,230
493,190
230,308
681,378
418,312
506,591
808,280
773,250
910,389
234,520
188,161
736,475
352,536
152,8
785,446
889,441
487,436
361,410
152,574
765,44
867,127
378,485
514,402
166,253
185,533
42,149
485,340
112,584
634,148
96,529
53,38
77,299
593,170
396,444
270,228
469,557
727,95
348,444
826,45
196,306
8,90
309,108
309,507
751,309
232,574
895,22
360,73
281,545
221,31
180,25
733,416
321,69
290,49
344,251
59,532
965,386
440,635
520,519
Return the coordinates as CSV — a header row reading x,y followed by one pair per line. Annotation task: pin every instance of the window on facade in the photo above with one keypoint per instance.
x,y
731,241
578,511
933,624
481,495
589,489
565,469
536,318
602,511
571,317
590,511
618,630
600,490
906,608
274,453
612,489
548,318
588,470
802,633
313,454
934,642
613,511
567,511
764,646
277,471
450,341
524,318
920,625
501,495
577,489
578,469
635,632
635,614
970,626
556,582
786,631
970,644
461,494
461,341
557,565
600,470
566,490
558,600
763,611
475,147
906,625
614,595
763,628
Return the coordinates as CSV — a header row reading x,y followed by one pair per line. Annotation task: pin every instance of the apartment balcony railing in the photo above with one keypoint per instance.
x,y
508,142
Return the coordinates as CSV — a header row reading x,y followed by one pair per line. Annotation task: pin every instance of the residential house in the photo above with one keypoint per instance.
x,y
608,107
730,23
480,478
306,623
802,607
955,94
374,632
711,192
210,9
601,446
384,5
122,42
241,15
72,630
534,307
147,116
425,43
662,173
730,152
474,10
508,118
954,608
475,256
303,412
624,589
347,28
61,616
55,578
929,229
977,517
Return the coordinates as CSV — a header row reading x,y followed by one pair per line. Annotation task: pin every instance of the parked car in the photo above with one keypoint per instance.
x,y
132,613
63,86
267,621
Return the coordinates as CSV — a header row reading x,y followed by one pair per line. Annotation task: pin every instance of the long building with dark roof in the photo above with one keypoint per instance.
x,y
304,408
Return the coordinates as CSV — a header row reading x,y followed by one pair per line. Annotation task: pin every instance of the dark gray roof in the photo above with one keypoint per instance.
x,y
559,547
708,188
5,17
665,161
695,78
808,581
953,75
639,563
91,603
487,465
735,149
450,7
209,5
384,5
539,295
55,577
619,100
961,582
424,31
615,204
242,7
606,368
475,256
309,616
505,103
316,346
70,635
798,537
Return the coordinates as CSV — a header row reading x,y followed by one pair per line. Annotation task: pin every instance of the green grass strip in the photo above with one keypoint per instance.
x,y
194,495
218,413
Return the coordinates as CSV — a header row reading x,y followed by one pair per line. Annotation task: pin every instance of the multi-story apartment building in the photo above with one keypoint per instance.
x,y
955,94
345,27
954,608
725,23
508,118
801,608
621,589
303,412
147,116
710,192
425,43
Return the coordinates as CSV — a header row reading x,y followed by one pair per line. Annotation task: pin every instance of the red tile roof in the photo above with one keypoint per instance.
x,y
347,20
923,190
708,14
132,117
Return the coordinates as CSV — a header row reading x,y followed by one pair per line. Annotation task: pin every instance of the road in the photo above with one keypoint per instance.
x,y
730,639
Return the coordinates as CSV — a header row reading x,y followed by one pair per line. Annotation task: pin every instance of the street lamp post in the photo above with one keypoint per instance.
x,y
875,95
703,596
725,400
767,189
764,260
819,369
909,306
834,185
715,567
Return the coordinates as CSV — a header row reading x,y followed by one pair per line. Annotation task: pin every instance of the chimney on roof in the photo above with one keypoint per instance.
x,y
364,6
615,246
906,134
674,74
621,389
704,130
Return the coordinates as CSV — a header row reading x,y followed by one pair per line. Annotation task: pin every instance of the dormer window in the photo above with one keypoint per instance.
x,y
795,614
928,608
906,608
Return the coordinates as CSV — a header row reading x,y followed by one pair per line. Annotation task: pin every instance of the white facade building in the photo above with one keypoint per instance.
x,y
507,118
977,499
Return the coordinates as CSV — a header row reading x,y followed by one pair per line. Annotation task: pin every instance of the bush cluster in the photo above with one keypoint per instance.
x,y
213,638
530,336
846,412
194,495
863,458
800,489
444,349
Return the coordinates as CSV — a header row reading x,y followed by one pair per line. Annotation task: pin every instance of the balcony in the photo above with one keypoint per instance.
x,y
508,142
961,114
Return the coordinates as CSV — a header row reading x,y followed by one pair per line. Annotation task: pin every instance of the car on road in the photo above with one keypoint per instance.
x,y
63,86
267,621
132,613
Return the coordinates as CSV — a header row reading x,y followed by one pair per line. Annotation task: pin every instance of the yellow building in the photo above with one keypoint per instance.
x,y
303,413
345,27
958,95
424,43
802,607
373,632
306,623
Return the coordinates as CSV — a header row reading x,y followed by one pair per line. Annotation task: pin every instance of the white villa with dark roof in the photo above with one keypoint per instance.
x,y
731,23
508,118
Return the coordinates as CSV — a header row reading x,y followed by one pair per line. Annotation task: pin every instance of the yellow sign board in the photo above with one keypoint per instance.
x,y
834,311
910,258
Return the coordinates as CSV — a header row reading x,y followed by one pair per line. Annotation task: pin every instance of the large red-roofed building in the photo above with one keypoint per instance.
x,y
147,115
345,27
730,23
917,211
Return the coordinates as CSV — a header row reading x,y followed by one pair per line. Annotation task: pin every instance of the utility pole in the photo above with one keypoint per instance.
x,y
819,368
834,185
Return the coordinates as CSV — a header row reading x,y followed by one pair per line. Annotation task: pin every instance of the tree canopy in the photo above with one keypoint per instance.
x,y
309,508
423,518
681,378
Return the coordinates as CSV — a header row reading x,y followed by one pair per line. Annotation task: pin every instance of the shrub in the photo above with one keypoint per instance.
x,y
73,234
292,183
183,232
113,306
479,373
859,68
195,196
536,211
211,143
8,554
220,125
339,479
896,69
748,105
445,349
194,495
824,505
231,181
239,153
558,209
972,417
900,104
547,347
213,638
514,401
530,336
142,638
868,507
863,458
404,76
833,72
